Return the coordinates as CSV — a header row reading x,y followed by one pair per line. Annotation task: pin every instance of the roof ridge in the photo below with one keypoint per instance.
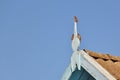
x,y
106,56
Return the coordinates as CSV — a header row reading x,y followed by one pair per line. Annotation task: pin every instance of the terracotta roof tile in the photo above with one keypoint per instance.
x,y
108,62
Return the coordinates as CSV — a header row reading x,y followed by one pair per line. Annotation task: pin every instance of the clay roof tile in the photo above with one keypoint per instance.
x,y
108,62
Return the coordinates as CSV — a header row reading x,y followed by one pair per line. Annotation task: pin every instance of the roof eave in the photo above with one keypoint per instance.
x,y
91,66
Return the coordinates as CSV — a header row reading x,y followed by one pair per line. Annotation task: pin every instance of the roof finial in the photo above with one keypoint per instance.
x,y
75,19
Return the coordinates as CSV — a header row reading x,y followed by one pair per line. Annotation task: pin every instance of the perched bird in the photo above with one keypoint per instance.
x,y
76,38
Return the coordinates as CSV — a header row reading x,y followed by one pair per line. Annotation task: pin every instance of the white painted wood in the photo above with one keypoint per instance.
x,y
75,29
76,61
67,73
75,41
91,66
95,69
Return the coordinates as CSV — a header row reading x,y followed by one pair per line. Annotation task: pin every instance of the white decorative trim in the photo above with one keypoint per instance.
x,y
67,73
91,66
94,68
76,61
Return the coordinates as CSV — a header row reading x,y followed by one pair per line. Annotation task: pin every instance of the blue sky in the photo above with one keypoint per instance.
x,y
35,35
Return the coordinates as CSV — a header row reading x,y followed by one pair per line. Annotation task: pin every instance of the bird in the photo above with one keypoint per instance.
x,y
76,38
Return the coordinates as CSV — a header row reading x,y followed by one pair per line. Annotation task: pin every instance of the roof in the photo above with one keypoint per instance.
x,y
96,64
107,61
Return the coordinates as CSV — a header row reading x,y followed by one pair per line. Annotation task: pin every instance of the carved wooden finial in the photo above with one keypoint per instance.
x,y
78,36
75,19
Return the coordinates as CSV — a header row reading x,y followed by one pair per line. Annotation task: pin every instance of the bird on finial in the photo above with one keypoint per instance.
x,y
76,38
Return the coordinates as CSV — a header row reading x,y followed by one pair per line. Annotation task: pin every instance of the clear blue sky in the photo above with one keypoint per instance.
x,y
35,35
